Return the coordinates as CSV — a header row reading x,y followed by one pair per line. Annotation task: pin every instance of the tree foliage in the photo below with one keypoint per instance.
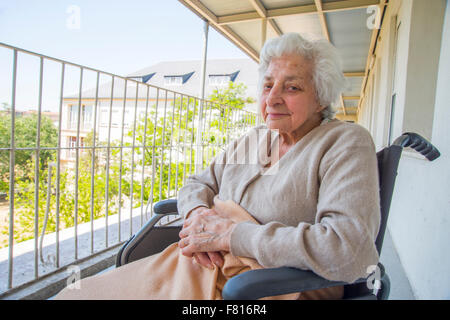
x,y
25,136
166,145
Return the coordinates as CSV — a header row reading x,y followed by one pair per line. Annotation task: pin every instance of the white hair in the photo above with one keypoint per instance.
x,y
327,75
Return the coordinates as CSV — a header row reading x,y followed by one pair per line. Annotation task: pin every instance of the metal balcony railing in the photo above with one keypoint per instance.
x,y
86,180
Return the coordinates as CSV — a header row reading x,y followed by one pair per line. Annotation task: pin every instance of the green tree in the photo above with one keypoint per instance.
x,y
170,139
232,96
88,205
25,137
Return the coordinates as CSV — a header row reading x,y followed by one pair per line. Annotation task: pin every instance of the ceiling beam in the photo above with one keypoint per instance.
x,y
290,11
351,97
326,34
275,27
348,5
323,22
341,100
259,7
296,10
238,17
370,56
347,117
354,74
262,12
351,109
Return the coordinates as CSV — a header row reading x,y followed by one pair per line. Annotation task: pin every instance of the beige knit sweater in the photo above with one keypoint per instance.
x,y
318,207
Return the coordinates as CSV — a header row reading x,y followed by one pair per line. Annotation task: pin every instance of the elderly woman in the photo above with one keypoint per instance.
x,y
313,200
320,210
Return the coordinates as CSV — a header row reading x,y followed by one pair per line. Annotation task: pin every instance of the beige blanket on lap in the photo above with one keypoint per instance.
x,y
169,275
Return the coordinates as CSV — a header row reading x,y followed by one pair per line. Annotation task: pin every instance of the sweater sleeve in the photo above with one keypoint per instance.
x,y
340,244
201,188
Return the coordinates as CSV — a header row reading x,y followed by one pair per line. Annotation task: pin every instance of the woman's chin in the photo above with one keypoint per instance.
x,y
275,125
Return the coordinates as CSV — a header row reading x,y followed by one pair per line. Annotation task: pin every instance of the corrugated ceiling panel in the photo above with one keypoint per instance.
x,y
350,35
275,4
353,86
307,24
250,32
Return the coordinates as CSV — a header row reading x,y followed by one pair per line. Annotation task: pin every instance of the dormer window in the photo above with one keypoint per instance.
x,y
173,80
177,80
144,78
222,79
218,79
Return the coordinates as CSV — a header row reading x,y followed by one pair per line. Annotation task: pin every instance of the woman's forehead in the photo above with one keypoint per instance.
x,y
294,67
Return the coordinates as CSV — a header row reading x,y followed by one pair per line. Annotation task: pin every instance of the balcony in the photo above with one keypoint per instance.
x,y
88,194
77,188
382,44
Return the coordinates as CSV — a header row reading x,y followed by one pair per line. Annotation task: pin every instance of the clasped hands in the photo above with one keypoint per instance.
x,y
205,233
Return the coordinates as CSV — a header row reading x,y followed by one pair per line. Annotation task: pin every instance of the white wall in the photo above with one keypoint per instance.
x,y
419,220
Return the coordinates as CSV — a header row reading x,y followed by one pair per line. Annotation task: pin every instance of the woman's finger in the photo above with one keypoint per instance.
x,y
183,233
183,243
187,222
203,259
216,258
199,227
208,234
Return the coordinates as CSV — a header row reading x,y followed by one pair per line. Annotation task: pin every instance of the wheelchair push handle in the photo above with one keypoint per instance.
x,y
418,143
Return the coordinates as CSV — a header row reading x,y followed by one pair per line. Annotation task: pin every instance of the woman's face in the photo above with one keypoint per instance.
x,y
288,99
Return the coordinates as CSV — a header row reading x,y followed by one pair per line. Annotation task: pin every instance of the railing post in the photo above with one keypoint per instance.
x,y
199,151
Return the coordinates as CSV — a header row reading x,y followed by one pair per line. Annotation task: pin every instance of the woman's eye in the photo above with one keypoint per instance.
x,y
293,88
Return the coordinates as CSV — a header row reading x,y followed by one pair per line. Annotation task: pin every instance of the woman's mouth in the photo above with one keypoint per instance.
x,y
275,116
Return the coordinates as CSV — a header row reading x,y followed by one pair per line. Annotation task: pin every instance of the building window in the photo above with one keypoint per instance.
x,y
222,79
73,145
116,118
73,116
85,117
144,78
173,80
219,80
177,80
104,117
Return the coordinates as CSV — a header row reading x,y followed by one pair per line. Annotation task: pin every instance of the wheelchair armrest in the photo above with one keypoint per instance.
x,y
161,209
255,284
166,207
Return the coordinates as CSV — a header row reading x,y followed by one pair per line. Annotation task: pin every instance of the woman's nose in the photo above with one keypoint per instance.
x,y
274,97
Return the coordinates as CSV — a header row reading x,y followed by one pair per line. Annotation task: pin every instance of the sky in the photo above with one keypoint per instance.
x,y
115,36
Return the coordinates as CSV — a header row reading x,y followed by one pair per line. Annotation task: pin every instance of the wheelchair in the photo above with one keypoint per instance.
x,y
251,285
